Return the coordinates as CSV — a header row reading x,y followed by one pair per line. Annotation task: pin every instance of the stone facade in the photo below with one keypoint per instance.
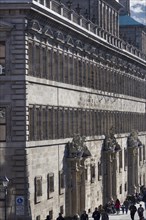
x,y
131,31
72,111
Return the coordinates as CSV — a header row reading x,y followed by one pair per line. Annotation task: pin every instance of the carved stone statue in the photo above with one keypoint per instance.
x,y
110,143
133,140
77,148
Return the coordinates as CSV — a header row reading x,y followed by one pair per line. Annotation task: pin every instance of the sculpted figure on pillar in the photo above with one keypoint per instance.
x,y
77,148
133,140
110,142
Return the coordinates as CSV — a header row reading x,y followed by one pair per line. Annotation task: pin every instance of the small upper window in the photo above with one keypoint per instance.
x,y
2,124
2,57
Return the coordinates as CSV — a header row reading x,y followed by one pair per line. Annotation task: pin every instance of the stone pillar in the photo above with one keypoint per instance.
x,y
114,176
107,177
76,188
132,170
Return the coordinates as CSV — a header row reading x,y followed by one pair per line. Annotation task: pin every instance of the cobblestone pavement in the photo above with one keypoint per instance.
x,y
126,216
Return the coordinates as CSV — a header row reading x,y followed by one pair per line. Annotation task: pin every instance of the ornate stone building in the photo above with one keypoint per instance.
x,y
131,30
72,109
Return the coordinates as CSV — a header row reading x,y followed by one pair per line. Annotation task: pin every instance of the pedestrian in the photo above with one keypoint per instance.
x,y
126,204
140,211
144,198
76,217
117,206
48,217
60,217
96,214
123,208
104,215
84,216
133,210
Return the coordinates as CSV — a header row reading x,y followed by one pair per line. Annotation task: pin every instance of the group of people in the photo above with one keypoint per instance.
x,y
112,207
96,215
133,209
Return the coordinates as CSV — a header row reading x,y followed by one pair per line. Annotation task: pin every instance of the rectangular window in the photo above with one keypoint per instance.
x,y
80,72
31,124
144,151
50,185
61,209
51,214
2,124
44,122
99,171
65,66
125,159
38,189
43,63
86,174
38,123
125,187
120,161
37,60
50,123
49,64
140,155
60,67
30,58
55,66
61,182
2,57
92,173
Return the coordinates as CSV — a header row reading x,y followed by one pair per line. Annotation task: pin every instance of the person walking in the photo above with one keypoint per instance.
x,y
104,215
48,217
126,204
133,210
96,214
123,208
140,211
117,206
60,217
84,216
144,199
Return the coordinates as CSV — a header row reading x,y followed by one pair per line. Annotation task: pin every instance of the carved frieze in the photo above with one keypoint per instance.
x,y
69,41
79,44
35,26
59,36
48,31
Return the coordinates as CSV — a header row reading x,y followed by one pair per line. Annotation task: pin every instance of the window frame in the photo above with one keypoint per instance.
x,y
61,182
3,42
38,183
50,188
4,124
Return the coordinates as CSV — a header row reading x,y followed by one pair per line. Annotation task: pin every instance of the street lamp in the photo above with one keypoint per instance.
x,y
3,187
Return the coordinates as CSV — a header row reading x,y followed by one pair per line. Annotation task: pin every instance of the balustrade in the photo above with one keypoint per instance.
x,y
75,17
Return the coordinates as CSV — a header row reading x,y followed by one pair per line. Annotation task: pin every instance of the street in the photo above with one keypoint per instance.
x,y
126,216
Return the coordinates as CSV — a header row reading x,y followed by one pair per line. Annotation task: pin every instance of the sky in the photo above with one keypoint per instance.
x,y
138,10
